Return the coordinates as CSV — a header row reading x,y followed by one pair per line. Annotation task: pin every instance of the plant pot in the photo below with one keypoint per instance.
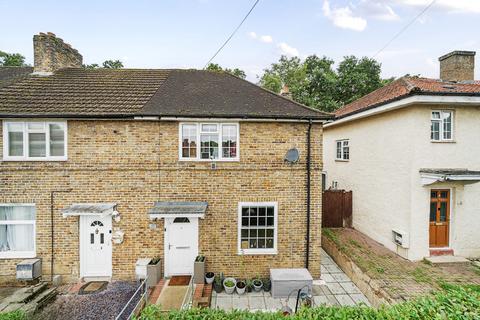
x,y
267,285
199,272
218,287
209,276
154,272
257,285
241,286
232,284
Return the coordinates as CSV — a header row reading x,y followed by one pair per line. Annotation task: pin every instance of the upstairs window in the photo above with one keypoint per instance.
x,y
441,128
209,141
34,140
343,150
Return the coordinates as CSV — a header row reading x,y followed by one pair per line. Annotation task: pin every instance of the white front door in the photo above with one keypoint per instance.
x,y
95,246
181,245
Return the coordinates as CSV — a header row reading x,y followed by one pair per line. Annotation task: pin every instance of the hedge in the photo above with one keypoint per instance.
x,y
453,302
14,315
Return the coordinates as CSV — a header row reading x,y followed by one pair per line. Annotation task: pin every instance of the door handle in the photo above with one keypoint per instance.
x,y
169,246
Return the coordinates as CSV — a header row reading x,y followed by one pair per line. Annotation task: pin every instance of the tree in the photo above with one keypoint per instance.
x,y
217,68
11,59
315,83
107,64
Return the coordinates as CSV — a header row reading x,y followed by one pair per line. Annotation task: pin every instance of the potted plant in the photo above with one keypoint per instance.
x,y
241,286
229,285
199,270
257,284
267,285
249,285
209,277
217,284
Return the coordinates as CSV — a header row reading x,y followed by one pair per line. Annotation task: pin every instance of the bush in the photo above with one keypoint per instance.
x,y
15,315
454,302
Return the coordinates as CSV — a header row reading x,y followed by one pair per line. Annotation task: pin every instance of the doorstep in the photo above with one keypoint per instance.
x,y
442,260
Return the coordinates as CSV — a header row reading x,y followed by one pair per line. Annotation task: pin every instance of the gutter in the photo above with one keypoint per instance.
x,y
307,236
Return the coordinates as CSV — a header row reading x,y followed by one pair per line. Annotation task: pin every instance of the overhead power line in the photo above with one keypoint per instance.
x,y
233,33
405,28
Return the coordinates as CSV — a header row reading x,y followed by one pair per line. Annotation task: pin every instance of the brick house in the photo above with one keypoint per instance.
x,y
102,167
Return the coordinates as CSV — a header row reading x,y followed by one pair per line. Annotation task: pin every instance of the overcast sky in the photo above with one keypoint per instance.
x,y
185,33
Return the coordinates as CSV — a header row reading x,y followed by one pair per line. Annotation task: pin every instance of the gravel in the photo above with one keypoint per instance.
x,y
106,304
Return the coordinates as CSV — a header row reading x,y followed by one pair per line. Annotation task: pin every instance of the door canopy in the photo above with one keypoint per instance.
x,y
90,209
167,209
464,176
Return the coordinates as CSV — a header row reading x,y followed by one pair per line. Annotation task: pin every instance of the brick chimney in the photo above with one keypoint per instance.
x,y
457,66
285,92
51,54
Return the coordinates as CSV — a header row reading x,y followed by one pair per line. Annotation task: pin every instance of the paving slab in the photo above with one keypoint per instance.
x,y
336,288
349,287
360,298
333,268
327,300
340,277
256,302
345,300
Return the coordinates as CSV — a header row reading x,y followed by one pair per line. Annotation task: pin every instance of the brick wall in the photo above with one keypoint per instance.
x,y
134,163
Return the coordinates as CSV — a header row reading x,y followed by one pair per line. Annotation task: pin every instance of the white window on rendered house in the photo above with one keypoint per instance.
x,y
209,141
34,140
441,125
343,150
257,227
17,231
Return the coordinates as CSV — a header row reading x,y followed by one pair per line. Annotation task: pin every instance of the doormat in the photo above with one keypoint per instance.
x,y
179,281
92,287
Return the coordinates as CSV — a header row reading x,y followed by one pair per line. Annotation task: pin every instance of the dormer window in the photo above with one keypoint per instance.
x,y
209,141
441,125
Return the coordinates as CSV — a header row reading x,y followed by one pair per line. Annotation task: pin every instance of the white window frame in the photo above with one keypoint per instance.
x,y
198,126
342,146
20,254
271,251
441,121
26,157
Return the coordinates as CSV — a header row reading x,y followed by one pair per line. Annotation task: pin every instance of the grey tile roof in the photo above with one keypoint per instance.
x,y
9,75
78,92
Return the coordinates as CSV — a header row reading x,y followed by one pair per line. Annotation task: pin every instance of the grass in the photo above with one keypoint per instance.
x,y
14,315
450,302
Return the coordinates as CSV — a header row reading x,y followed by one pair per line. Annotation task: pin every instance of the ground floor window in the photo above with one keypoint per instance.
x,y
17,230
257,227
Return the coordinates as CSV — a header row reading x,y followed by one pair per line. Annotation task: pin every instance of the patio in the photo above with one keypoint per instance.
x,y
334,288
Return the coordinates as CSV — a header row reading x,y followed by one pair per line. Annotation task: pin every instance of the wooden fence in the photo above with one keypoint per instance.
x,y
337,209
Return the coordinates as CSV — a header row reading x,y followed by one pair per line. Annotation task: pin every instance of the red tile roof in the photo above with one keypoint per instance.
x,y
406,86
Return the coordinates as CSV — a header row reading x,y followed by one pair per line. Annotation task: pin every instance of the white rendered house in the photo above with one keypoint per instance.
x,y
410,152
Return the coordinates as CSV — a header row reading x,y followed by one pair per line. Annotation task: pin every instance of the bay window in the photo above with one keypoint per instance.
x,y
209,141
34,140
17,230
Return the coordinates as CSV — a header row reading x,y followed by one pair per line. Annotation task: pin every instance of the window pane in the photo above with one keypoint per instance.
x,y
435,115
259,229
209,146
269,243
229,141
57,137
17,213
36,145
433,211
15,144
253,244
16,237
261,243
209,128
339,150
443,211
444,194
346,151
269,232
189,141
435,130
36,126
244,233
447,125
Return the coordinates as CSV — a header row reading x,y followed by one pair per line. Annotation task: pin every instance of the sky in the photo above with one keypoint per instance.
x,y
186,33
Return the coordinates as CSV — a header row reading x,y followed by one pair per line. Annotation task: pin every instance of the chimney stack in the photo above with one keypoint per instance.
x,y
457,66
285,92
52,54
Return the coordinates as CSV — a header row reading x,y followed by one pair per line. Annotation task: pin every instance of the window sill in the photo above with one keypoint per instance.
x,y
249,252
443,141
208,160
63,159
341,160
17,255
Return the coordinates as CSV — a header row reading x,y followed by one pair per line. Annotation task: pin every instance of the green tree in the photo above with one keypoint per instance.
x,y
217,68
287,71
11,59
107,64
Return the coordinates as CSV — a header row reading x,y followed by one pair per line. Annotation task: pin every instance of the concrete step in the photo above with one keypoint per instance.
x,y
442,260
441,252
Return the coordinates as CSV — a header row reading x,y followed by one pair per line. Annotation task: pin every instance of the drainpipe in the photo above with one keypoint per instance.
x,y
52,229
307,249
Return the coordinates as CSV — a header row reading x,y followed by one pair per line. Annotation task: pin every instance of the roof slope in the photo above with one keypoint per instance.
x,y
146,92
407,86
9,75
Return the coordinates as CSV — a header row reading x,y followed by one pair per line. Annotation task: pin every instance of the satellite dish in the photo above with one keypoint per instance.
x,y
292,156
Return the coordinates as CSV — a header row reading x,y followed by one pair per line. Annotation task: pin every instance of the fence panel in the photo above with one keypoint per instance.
x,y
337,209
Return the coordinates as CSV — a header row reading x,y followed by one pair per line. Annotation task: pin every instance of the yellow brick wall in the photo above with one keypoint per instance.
x,y
134,163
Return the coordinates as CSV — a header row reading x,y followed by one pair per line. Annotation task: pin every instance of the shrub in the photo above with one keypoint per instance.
x,y
454,302
14,315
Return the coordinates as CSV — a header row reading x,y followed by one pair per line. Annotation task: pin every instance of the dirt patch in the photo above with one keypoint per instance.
x,y
106,304
400,278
